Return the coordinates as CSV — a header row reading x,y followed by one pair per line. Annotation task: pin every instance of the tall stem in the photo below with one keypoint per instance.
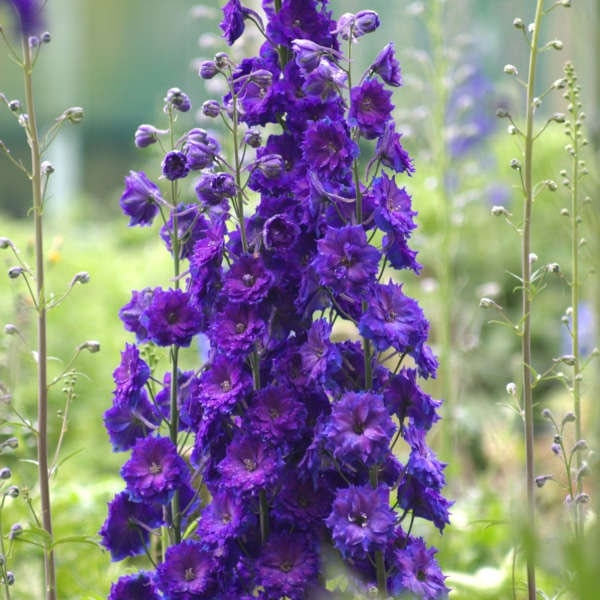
x,y
526,303
42,375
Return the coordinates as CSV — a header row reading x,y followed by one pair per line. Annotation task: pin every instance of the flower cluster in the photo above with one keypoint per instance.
x,y
282,449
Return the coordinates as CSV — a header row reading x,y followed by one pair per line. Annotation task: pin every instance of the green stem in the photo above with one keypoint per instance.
x,y
526,303
42,374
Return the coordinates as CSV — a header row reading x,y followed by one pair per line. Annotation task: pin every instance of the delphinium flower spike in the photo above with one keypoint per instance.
x,y
290,427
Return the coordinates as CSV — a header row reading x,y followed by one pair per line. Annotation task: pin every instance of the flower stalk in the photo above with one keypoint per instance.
x,y
41,308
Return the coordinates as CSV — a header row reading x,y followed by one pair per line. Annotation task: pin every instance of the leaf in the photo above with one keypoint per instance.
x,y
76,539
36,536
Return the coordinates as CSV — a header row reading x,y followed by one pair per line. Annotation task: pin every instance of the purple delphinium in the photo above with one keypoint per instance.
x,y
126,531
155,470
417,572
139,586
291,428
187,572
361,520
170,318
141,199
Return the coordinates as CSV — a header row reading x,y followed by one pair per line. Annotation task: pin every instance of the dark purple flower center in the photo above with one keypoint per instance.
x,y
286,566
189,574
359,519
226,385
250,464
358,428
248,279
240,327
155,468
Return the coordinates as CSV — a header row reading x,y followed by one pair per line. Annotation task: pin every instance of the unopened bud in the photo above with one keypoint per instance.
x,y
579,445
487,303
500,211
12,491
222,60
569,418
47,167
551,185
541,480
5,243
518,23
74,114
5,473
555,45
511,70
553,268
208,69
10,329
92,346
14,105
14,272
515,164
511,388
46,37
15,531
211,108
532,257
81,277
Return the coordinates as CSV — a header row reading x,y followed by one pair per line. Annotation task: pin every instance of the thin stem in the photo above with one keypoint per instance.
x,y
42,375
575,285
526,303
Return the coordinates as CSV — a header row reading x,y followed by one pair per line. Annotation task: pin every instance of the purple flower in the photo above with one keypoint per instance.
x,y
212,188
186,225
370,108
346,263
132,373
175,165
126,531
30,15
140,199
287,564
404,398
132,311
247,280
320,357
359,428
393,319
130,419
417,572
200,149
237,328
424,502
308,54
327,147
400,256
233,20
280,233
354,26
187,572
170,318
139,586
361,520
249,465
154,471
276,415
222,383
390,152
224,519
393,211
326,81
387,67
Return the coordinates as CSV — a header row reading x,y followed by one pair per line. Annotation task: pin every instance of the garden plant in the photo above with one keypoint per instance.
x,y
286,419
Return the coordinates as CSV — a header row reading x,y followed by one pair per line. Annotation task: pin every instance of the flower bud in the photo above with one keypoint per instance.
x,y
5,473
547,414
11,442
92,346
511,70
14,105
145,135
515,164
208,69
178,100
14,272
569,418
211,108
222,60
556,449
253,138
580,445
511,388
47,168
10,578
365,21
5,243
518,23
46,37
500,210
555,44
12,491
502,113
541,480
271,165
532,257
15,531
487,303
551,185
74,114
553,268
81,277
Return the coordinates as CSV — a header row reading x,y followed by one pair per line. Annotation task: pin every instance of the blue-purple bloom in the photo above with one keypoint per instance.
x,y
175,165
138,586
361,520
29,13
155,471
140,199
